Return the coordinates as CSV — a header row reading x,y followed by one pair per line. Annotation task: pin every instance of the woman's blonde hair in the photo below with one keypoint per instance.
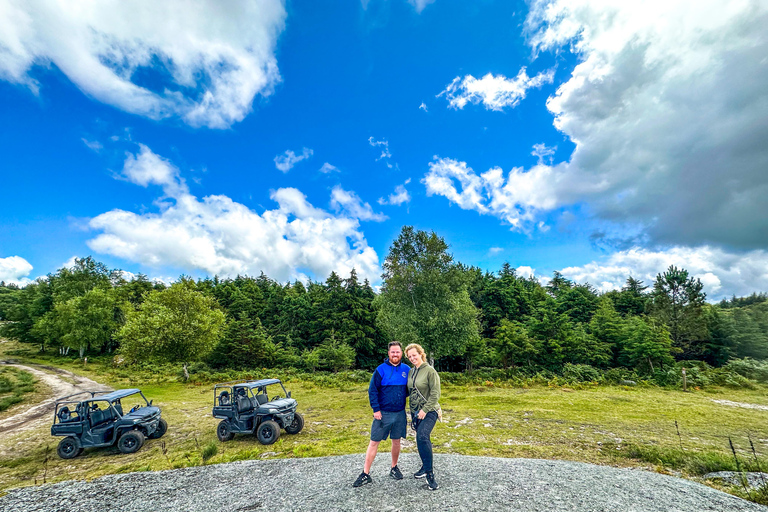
x,y
419,349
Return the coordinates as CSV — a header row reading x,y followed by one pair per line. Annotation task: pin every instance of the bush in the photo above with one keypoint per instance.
x,y
749,368
581,373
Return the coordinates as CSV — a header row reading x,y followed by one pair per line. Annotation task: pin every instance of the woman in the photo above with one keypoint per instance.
x,y
424,393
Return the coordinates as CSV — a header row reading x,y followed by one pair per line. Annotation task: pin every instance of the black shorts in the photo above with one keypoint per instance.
x,y
391,424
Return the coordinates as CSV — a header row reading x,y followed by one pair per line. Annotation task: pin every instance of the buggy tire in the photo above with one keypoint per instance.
x,y
268,432
224,431
130,442
296,425
69,448
162,428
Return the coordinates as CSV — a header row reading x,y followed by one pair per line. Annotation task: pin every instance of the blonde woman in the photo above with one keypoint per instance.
x,y
423,393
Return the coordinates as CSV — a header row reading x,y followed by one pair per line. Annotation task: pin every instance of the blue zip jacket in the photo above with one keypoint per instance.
x,y
389,387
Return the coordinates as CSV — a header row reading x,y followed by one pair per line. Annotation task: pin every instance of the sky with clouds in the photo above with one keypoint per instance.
x,y
598,138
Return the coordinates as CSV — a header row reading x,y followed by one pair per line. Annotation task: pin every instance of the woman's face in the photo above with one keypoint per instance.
x,y
414,357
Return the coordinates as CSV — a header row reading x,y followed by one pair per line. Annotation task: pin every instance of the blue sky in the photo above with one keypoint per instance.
x,y
600,139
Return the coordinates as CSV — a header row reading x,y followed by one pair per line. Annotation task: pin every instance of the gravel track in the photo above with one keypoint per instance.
x,y
325,483
34,416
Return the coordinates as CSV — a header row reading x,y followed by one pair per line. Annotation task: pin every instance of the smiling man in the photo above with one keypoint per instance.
x,y
387,393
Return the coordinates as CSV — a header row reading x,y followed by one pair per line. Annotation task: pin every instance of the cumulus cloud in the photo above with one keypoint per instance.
x,y
287,160
217,235
489,193
328,168
495,92
399,197
350,203
15,269
669,112
493,251
209,61
722,272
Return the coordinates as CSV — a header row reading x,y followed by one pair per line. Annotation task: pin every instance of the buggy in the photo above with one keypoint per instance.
x,y
246,408
94,419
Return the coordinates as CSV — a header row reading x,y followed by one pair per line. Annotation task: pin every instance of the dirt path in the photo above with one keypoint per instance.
x,y
61,383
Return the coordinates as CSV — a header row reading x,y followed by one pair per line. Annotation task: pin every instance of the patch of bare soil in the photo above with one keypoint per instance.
x,y
61,383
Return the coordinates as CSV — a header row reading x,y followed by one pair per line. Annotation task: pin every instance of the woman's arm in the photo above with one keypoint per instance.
x,y
434,391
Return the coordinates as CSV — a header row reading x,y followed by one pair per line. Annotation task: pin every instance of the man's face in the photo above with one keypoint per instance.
x,y
395,354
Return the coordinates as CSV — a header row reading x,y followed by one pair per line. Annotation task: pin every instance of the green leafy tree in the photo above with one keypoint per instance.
x,y
178,324
86,322
424,297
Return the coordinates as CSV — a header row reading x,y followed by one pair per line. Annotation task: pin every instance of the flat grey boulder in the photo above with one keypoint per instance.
x,y
753,479
325,483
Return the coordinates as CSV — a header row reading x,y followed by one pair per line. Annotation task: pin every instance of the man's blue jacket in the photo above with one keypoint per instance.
x,y
389,387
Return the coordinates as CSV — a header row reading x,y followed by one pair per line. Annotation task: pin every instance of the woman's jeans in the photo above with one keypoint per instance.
x,y
423,431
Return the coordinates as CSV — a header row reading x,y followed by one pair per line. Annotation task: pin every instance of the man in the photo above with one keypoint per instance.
x,y
387,393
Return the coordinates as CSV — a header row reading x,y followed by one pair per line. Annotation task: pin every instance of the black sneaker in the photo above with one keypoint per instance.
x,y
431,482
395,473
362,480
420,473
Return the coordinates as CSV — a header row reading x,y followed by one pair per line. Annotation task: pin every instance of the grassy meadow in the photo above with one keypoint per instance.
x,y
613,425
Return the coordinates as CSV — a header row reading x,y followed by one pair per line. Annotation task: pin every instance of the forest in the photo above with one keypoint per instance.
x,y
468,319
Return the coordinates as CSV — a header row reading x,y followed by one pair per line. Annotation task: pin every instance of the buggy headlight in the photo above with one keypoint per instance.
x,y
271,411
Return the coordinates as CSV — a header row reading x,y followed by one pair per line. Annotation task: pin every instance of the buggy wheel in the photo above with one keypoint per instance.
x,y
224,431
69,448
162,428
130,441
268,432
296,425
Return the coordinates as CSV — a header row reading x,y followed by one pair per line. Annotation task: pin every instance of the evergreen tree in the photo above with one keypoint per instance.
x,y
677,301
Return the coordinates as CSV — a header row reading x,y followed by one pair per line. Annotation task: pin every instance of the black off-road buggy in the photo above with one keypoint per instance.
x,y
246,408
94,419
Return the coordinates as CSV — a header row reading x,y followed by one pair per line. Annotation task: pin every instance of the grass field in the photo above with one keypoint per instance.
x,y
621,426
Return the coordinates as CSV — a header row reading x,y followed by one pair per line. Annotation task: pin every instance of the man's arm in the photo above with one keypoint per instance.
x,y
373,394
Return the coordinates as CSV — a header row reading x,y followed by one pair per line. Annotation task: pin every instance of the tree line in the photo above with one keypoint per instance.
x,y
464,317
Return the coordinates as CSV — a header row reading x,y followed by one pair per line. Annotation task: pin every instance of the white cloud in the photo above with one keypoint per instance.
x,y
70,263
210,61
423,107
349,202
93,145
493,251
419,5
328,168
490,193
217,235
384,144
669,113
525,271
287,160
15,269
495,92
543,152
399,197
723,273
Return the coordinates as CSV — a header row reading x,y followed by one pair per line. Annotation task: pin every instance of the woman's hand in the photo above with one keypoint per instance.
x,y
421,415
